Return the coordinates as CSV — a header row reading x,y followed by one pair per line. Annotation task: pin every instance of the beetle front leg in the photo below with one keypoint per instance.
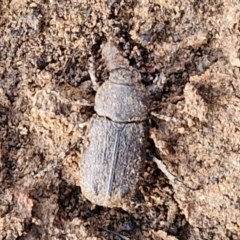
x,y
156,89
92,73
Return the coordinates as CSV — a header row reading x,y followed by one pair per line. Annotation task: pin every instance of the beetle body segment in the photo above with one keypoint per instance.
x,y
121,103
112,161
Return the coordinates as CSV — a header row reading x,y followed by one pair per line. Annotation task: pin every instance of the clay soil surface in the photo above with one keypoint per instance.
x,y
189,56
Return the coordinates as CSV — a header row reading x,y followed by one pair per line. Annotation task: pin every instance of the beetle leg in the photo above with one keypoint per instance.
x,y
92,73
157,87
51,166
169,119
173,179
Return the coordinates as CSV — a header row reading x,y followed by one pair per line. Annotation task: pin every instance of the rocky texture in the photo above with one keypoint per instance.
x,y
46,99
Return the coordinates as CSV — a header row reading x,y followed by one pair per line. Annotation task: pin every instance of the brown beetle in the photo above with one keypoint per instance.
x,y
114,153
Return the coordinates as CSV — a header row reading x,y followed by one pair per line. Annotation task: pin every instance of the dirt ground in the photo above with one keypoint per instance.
x,y
187,50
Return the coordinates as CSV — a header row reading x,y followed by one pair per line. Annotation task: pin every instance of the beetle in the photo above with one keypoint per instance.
x,y
114,151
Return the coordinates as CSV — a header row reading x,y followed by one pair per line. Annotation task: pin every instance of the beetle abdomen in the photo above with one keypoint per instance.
x,y
113,161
